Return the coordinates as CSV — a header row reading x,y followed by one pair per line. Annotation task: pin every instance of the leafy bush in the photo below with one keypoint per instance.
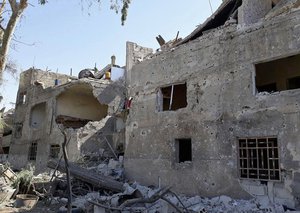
x,y
23,182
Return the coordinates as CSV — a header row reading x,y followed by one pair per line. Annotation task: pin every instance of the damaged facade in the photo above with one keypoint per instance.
x,y
215,113
47,102
218,112
5,133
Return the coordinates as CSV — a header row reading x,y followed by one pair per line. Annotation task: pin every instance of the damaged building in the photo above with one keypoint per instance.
x,y
5,133
218,111
89,108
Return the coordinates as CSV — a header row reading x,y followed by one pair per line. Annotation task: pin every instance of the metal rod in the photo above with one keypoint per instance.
x,y
210,7
171,100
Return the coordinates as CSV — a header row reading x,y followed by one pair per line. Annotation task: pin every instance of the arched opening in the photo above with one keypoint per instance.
x,y
37,115
76,106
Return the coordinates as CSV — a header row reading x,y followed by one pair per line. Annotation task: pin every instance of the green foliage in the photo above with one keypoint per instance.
x,y
114,6
124,10
42,1
24,180
2,123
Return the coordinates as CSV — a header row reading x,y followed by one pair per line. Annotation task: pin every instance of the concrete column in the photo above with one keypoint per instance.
x,y
134,54
252,11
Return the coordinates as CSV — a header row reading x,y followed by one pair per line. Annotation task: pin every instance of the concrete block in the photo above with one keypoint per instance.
x,y
252,10
98,209
113,164
256,190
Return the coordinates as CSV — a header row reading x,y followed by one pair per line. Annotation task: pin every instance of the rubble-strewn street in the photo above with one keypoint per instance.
x,y
51,193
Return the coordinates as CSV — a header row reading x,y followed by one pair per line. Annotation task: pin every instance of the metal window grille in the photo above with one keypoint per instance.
x,y
32,151
54,151
259,158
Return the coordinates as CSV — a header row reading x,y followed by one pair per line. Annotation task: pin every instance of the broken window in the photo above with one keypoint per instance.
x,y
278,75
21,98
54,150
38,115
32,151
18,130
172,97
259,158
5,150
183,150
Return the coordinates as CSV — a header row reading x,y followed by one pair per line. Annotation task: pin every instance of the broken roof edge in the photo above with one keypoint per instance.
x,y
198,31
33,69
90,81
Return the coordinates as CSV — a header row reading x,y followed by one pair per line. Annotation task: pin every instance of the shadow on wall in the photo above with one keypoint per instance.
x,y
113,90
96,141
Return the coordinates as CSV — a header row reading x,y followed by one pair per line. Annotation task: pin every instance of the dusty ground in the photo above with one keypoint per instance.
x,y
39,208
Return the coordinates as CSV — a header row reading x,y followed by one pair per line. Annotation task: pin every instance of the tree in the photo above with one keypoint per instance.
x,y
11,12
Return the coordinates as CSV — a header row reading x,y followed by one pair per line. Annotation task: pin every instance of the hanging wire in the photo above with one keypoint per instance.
x,y
210,7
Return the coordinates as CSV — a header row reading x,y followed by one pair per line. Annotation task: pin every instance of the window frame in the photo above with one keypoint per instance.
x,y
239,168
52,148
177,150
160,97
32,154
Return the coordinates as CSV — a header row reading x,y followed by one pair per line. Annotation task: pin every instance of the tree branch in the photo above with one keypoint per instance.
x,y
13,5
17,9
2,7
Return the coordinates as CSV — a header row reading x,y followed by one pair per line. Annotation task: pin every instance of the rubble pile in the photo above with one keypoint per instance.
x,y
110,167
91,196
137,198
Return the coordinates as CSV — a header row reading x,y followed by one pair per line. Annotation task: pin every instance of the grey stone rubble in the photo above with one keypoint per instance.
x,y
194,204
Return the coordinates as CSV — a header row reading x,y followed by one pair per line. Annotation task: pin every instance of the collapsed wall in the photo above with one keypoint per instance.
x,y
49,102
211,117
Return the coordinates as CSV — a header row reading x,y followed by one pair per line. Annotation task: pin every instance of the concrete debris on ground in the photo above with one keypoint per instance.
x,y
102,164
134,198
170,202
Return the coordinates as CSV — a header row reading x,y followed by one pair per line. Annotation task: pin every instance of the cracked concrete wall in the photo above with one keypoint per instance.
x,y
83,140
219,71
134,55
252,11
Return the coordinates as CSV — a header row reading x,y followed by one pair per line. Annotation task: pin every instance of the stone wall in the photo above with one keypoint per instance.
x,y
222,106
83,99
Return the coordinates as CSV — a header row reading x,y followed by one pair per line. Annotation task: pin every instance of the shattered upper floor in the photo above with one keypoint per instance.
x,y
90,109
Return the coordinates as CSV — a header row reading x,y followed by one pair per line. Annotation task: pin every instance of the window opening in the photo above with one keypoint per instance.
x,y
5,150
267,88
293,83
172,97
32,151
259,158
183,150
54,151
22,98
278,75
18,130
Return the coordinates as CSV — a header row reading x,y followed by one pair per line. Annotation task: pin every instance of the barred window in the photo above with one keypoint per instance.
x,y
54,151
32,151
259,158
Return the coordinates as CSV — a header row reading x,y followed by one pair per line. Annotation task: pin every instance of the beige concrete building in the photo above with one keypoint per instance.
x,y
215,113
89,108
218,113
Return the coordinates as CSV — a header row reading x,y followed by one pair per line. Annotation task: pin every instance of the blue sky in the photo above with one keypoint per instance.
x,y
65,34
